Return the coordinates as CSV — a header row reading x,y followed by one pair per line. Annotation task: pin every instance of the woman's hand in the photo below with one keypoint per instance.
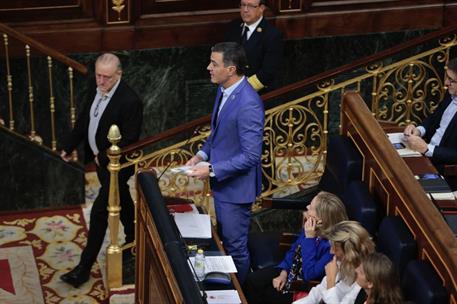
x,y
331,269
309,226
280,281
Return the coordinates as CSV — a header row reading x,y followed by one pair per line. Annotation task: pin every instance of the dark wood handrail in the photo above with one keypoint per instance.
x,y
44,49
299,85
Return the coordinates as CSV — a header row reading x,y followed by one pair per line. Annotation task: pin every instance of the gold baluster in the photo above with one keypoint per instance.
x,y
33,136
9,82
409,100
290,152
114,251
74,154
52,106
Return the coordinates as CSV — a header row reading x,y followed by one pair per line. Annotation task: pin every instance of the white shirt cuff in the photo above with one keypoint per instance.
x,y
202,155
421,130
430,148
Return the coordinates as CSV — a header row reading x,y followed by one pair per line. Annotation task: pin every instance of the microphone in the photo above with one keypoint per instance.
x,y
194,132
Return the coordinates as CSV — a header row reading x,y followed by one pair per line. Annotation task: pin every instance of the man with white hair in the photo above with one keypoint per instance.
x,y
112,102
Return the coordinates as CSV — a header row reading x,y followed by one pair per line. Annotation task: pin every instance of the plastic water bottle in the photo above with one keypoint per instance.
x,y
199,264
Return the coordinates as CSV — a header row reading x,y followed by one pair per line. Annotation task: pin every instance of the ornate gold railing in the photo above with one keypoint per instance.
x,y
401,91
16,47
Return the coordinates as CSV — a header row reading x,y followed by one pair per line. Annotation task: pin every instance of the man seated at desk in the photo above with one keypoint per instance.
x,y
439,130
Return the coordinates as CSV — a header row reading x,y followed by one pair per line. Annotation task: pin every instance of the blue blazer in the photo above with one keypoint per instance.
x,y
315,255
234,147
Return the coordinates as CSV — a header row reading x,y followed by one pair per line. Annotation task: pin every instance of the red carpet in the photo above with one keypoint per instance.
x,y
37,247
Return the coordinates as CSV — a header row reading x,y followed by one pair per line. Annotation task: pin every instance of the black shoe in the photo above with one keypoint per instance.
x,y
79,275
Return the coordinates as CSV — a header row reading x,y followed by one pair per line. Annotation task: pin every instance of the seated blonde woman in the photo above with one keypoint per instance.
x,y
350,243
305,260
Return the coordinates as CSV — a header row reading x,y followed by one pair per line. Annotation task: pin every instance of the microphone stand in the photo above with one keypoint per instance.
x,y
199,282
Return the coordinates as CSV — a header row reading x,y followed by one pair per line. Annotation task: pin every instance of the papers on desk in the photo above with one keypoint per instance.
x,y
447,196
435,186
398,142
222,297
219,263
193,225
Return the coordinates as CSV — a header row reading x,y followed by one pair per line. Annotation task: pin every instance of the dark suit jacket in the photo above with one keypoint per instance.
x,y
124,109
446,152
264,50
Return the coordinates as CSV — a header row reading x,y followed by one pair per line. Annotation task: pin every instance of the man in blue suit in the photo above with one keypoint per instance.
x,y
233,150
440,128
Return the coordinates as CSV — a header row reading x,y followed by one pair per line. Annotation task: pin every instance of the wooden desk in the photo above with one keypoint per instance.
x,y
162,271
422,165
392,183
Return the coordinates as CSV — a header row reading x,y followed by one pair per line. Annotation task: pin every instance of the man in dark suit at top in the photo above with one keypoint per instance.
x,y
437,136
112,102
262,42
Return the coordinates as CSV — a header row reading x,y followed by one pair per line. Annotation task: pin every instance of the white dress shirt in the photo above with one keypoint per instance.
x,y
448,114
96,111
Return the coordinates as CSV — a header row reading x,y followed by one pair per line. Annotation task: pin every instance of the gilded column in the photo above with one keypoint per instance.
x,y
114,252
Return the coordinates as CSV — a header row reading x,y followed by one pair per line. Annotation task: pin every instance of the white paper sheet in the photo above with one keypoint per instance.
x,y
446,196
193,225
220,263
182,169
188,169
399,139
223,297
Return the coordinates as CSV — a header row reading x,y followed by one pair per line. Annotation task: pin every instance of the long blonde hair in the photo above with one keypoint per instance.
x,y
355,242
330,209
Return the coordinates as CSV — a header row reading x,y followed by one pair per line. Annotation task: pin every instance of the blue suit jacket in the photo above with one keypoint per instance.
x,y
234,146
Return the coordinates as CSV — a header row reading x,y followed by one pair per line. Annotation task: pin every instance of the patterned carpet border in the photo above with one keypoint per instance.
x,y
55,238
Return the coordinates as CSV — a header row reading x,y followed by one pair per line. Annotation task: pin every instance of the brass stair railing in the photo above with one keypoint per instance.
x,y
400,85
17,45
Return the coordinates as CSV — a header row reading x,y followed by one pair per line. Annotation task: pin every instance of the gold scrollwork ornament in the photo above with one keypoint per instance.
x,y
118,7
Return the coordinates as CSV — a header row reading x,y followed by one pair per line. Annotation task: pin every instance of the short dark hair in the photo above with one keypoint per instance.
x,y
232,54
264,2
452,65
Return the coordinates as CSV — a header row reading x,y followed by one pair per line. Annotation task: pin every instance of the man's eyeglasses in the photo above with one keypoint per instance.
x,y
451,81
248,6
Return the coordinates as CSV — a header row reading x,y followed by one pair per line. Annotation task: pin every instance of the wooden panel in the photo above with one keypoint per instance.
x,y
174,6
44,10
34,4
171,23
391,180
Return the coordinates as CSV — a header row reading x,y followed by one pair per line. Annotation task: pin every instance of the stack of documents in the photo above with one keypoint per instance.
x,y
192,225
218,263
435,186
398,142
222,297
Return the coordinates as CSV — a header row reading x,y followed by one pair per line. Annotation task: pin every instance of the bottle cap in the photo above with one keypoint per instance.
x,y
200,251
